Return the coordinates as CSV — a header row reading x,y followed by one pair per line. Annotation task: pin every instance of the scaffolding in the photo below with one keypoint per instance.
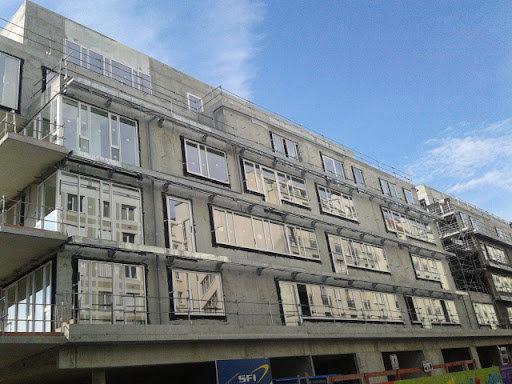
x,y
466,267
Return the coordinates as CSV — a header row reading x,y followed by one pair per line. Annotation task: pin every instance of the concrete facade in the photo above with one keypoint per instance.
x,y
152,224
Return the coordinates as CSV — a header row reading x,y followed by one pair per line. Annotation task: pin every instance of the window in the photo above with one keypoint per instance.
x,y
404,225
358,176
28,305
500,234
333,167
336,203
486,315
494,254
428,311
429,269
81,127
285,147
127,212
195,104
205,161
503,285
102,65
106,210
251,232
475,223
409,197
356,254
179,224
111,293
276,186
388,189
197,293
10,68
307,302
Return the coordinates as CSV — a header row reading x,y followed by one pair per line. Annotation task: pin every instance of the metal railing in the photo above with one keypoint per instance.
x,y
107,308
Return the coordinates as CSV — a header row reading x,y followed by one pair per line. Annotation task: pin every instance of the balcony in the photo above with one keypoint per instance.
x,y
23,159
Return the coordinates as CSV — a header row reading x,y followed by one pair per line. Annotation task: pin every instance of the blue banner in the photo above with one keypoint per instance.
x,y
244,371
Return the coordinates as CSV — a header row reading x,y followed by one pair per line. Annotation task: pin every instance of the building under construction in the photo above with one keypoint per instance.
x,y
481,244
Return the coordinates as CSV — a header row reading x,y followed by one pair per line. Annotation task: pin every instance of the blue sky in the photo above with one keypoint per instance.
x,y
424,86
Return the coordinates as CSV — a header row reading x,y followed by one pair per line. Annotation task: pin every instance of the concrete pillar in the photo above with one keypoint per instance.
x,y
98,376
436,357
371,362
474,355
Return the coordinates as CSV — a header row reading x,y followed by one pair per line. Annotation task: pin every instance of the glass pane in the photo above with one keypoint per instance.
x,y
95,62
180,225
9,73
221,229
121,73
192,153
217,165
243,231
277,141
278,238
129,153
100,143
144,83
72,52
70,121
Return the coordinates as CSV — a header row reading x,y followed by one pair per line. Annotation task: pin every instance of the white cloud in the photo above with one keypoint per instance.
x,y
472,162
214,41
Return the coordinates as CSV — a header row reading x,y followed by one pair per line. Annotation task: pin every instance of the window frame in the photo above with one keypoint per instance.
x,y
343,198
334,162
192,240
189,103
294,237
358,171
409,197
292,189
199,290
199,147
404,225
18,86
138,80
388,189
285,143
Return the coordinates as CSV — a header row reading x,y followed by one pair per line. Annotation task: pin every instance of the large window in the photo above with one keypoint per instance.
x,y
102,65
503,285
206,161
27,306
179,224
336,203
285,147
197,293
81,127
251,232
111,293
429,269
356,254
494,254
88,207
276,186
486,315
407,226
302,302
500,233
10,81
475,223
333,167
428,311
409,197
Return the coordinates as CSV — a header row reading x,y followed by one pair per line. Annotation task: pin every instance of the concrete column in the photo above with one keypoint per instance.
x,y
474,355
436,357
98,376
371,362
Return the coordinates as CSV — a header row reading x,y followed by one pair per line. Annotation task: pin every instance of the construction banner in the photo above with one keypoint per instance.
x,y
478,376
